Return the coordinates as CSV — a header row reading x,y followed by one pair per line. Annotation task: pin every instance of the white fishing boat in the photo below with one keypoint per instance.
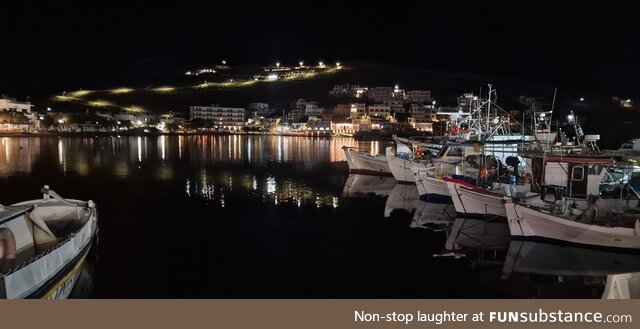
x,y
531,221
409,153
365,163
399,166
43,244
471,200
363,185
431,187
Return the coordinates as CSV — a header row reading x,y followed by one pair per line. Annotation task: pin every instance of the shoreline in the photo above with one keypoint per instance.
x,y
141,133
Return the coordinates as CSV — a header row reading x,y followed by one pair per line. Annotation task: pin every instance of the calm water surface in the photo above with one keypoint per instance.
x,y
268,216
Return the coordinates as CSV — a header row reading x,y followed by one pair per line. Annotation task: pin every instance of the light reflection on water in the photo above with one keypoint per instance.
x,y
223,163
18,154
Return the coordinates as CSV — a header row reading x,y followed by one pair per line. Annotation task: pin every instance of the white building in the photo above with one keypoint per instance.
x,y
10,104
421,124
359,92
423,112
380,94
224,118
341,90
380,111
358,110
399,94
468,101
397,106
301,104
322,126
418,96
313,109
138,120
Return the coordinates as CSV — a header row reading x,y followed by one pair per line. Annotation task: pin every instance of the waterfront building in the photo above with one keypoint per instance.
x,y
318,125
344,128
224,118
421,124
380,111
12,105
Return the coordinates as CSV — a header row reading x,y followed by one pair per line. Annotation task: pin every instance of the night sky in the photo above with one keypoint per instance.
x,y
50,47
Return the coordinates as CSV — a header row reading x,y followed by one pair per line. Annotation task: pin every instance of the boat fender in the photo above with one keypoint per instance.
x,y
7,244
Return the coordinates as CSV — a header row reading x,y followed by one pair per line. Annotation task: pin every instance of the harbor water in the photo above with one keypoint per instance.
x,y
281,217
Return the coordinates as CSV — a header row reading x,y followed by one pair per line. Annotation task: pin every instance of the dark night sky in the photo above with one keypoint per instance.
x,y
50,47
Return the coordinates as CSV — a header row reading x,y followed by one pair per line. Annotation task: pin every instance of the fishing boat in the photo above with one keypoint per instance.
x,y
410,152
43,245
365,163
589,227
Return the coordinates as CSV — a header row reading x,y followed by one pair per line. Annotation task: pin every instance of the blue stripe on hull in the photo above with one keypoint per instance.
x,y
46,287
435,198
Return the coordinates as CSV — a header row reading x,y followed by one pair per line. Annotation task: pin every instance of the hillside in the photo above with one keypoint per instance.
x,y
234,87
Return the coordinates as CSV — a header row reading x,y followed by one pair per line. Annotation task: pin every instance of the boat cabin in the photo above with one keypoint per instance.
x,y
579,177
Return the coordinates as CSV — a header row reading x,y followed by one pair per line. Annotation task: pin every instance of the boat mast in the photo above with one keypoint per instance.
x,y
553,104
488,107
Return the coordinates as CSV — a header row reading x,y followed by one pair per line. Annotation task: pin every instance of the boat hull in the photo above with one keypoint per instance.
x,y
52,274
473,201
526,222
431,188
400,168
361,162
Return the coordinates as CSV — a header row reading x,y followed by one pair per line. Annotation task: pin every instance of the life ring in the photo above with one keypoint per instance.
x,y
7,244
